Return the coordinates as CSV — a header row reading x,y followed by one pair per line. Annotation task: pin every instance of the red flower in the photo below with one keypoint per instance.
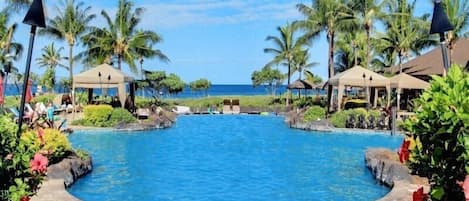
x,y
40,135
404,151
465,186
419,195
25,198
39,163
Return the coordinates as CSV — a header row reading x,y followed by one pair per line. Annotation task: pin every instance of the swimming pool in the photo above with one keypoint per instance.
x,y
228,157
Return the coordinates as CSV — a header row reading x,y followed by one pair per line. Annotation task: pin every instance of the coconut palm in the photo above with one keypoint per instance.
x,y
458,15
285,47
405,34
71,22
348,52
312,78
9,50
121,40
329,16
368,12
50,58
300,62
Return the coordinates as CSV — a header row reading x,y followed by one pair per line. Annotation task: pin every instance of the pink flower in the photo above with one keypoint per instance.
x,y
419,195
40,135
465,187
404,151
39,163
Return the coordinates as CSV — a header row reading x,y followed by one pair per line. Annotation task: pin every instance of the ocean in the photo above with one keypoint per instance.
x,y
214,90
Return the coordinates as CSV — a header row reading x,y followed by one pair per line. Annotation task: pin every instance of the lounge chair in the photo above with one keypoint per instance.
x,y
235,106
227,107
16,114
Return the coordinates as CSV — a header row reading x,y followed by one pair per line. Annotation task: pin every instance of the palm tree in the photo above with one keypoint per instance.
x,y
70,23
285,47
405,34
368,12
458,15
50,59
121,40
348,52
329,16
300,62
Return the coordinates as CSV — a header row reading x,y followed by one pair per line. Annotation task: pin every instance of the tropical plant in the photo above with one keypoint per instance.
x,y
9,50
312,78
17,4
286,47
405,34
22,168
200,85
441,126
314,113
300,62
349,53
329,16
271,78
71,22
173,84
458,15
369,11
121,40
50,59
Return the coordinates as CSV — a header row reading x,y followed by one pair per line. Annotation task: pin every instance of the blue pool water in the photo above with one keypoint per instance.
x,y
229,157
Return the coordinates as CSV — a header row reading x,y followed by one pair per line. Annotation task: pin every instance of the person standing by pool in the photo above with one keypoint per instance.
x,y
50,115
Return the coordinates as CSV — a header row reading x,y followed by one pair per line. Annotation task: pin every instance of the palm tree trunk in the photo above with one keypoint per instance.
x,y
70,63
368,46
288,82
400,63
331,54
119,61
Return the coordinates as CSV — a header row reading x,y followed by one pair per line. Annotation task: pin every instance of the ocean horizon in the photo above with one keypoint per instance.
x,y
214,90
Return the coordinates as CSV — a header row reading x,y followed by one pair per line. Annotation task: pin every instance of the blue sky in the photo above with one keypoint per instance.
x,y
221,40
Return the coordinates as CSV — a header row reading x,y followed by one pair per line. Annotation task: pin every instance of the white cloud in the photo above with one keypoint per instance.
x,y
216,12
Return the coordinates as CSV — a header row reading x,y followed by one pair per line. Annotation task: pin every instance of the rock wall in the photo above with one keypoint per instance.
x,y
70,169
386,168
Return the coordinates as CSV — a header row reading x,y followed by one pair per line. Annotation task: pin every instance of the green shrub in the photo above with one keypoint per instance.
x,y
82,154
441,125
338,119
120,115
17,179
55,143
44,98
314,113
97,115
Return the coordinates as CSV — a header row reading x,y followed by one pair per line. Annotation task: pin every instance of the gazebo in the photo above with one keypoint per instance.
x,y
103,76
405,81
358,77
300,84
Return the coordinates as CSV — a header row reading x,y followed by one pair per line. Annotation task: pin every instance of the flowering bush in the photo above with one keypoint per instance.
x,y
21,167
50,142
442,128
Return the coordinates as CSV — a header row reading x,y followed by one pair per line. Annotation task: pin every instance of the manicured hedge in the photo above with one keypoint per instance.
x,y
314,113
104,116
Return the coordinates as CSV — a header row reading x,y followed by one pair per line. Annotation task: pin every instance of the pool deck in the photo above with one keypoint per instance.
x,y
53,190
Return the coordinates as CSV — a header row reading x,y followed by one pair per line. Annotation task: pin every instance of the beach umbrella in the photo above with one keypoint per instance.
x,y
1,90
29,95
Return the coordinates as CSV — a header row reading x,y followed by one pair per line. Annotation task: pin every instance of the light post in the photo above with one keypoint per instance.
x,y
365,90
36,18
440,24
